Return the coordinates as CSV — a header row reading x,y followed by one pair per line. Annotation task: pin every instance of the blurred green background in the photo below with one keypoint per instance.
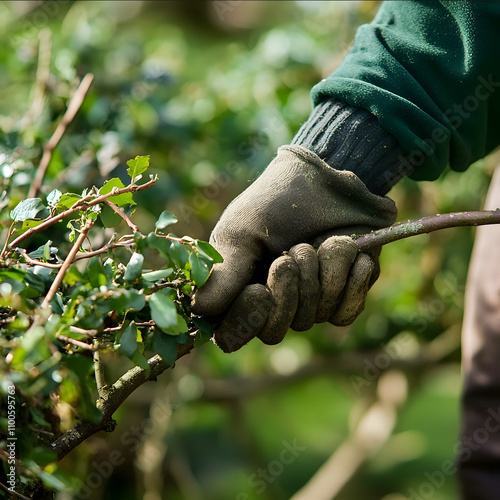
x,y
210,90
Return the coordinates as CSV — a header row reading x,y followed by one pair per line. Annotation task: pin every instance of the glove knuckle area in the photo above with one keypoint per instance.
x,y
283,283
305,256
355,292
245,318
335,258
225,282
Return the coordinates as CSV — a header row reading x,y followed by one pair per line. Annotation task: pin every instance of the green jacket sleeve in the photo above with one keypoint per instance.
x,y
430,72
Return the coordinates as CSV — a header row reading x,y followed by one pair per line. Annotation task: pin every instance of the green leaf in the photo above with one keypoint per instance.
x,y
203,325
157,275
96,273
51,481
44,252
121,199
199,269
137,166
164,313
208,251
166,219
109,217
12,273
139,359
68,200
178,254
128,340
27,209
165,346
54,197
134,267
201,338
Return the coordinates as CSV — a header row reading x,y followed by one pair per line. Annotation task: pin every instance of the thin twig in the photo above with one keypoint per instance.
x,y
35,262
13,493
73,106
82,331
81,205
67,262
42,77
98,369
427,225
124,216
75,342
372,431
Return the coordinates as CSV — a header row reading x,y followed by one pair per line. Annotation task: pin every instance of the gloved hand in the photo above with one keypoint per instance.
x,y
304,287
296,199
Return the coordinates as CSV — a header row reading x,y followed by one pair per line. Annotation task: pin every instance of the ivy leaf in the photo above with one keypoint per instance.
x,y
109,217
208,251
157,275
134,267
27,209
12,273
201,338
44,252
137,166
166,219
199,269
128,340
178,254
96,273
164,313
121,199
203,325
68,200
53,197
165,346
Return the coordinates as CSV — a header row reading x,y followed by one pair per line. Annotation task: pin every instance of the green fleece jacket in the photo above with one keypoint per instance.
x,y
430,72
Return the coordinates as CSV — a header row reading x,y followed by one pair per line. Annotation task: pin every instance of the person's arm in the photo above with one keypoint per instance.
x,y
429,72
416,92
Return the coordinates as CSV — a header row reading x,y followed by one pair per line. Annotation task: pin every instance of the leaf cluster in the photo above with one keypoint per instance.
x,y
65,307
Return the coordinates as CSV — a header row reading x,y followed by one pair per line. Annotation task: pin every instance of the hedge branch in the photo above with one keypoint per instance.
x,y
81,205
111,399
73,107
427,225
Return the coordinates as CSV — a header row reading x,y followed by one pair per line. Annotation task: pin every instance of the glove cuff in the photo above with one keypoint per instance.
x,y
350,138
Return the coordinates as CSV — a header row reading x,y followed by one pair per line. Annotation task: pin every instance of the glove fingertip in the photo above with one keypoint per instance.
x,y
245,318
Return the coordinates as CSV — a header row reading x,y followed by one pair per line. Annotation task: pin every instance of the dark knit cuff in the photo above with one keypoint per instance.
x,y
350,138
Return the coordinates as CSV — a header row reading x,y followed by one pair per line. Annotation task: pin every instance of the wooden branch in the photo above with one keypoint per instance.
x,y
83,204
67,262
427,225
73,107
13,493
98,369
75,342
372,431
117,210
111,399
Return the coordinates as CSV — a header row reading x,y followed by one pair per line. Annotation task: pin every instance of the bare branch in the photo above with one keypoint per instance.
x,y
75,342
117,210
83,204
73,106
427,225
67,262
111,399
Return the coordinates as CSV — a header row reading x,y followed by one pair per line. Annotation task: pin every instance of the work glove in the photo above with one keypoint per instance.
x,y
297,199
